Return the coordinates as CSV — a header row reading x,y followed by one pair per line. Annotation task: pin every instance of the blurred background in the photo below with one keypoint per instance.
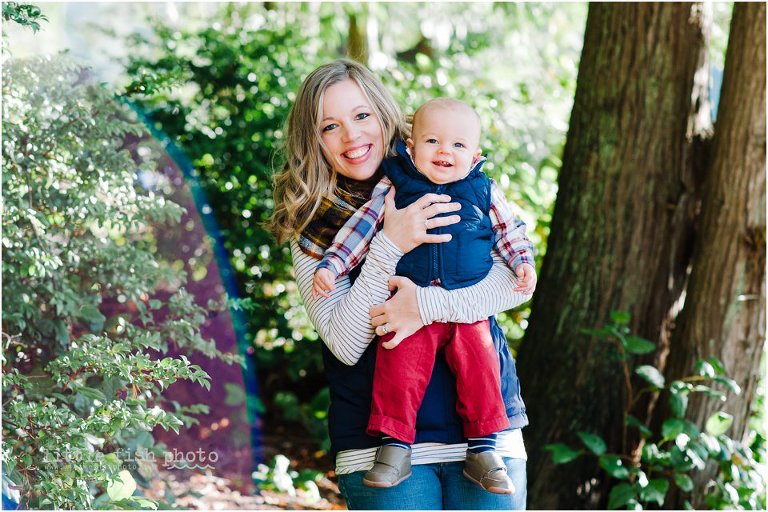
x,y
212,83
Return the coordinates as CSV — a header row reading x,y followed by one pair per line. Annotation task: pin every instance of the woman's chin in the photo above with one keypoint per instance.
x,y
359,172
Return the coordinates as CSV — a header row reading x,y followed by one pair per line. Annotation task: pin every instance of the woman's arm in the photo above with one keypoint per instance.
x,y
342,320
494,294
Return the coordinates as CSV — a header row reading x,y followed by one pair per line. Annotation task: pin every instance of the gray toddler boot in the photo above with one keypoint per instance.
x,y
392,466
487,470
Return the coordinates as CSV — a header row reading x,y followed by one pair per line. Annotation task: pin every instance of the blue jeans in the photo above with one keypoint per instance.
x,y
435,487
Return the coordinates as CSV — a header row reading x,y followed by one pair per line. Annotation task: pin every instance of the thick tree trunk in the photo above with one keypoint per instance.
x,y
724,313
621,230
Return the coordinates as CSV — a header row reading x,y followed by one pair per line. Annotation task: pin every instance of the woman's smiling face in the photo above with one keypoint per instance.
x,y
351,131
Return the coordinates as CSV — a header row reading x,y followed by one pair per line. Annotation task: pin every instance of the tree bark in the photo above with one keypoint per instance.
x,y
621,230
724,313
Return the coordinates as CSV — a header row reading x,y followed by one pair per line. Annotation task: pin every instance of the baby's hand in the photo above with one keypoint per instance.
x,y
323,282
527,278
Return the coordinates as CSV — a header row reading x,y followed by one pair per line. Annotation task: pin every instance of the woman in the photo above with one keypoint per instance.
x,y
342,125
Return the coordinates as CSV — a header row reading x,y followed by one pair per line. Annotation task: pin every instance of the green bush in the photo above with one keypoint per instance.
x,y
80,387
682,448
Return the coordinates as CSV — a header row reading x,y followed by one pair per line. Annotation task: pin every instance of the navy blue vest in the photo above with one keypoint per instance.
x,y
437,420
466,259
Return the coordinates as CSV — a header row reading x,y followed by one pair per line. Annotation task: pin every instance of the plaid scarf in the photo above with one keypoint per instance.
x,y
334,212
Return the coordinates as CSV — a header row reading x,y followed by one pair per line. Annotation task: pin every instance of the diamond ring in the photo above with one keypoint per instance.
x,y
426,223
384,329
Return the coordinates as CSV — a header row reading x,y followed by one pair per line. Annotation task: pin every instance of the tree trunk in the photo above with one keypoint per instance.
x,y
357,41
724,313
621,229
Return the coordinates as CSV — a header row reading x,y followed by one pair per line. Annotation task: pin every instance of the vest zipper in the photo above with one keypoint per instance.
x,y
436,248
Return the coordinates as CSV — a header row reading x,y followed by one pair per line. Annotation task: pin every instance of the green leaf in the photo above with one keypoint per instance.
x,y
122,487
717,365
672,427
704,369
651,375
637,345
92,315
603,332
613,465
718,423
145,503
655,491
678,403
620,317
729,383
562,453
93,394
620,495
684,482
595,443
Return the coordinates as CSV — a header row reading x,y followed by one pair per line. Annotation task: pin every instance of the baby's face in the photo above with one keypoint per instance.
x,y
444,144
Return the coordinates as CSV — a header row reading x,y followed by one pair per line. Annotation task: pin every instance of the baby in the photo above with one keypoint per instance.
x,y
443,157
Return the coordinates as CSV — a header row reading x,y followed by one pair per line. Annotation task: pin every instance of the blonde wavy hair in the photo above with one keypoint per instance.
x,y
307,176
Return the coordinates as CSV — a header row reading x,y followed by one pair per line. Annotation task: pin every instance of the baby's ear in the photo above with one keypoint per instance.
x,y
477,156
409,147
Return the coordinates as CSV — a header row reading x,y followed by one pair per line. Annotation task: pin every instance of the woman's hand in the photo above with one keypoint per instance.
x,y
400,314
407,228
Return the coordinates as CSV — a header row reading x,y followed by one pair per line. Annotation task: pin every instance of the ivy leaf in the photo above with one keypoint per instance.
x,y
122,487
613,466
562,453
595,443
718,423
651,375
637,345
656,491
620,495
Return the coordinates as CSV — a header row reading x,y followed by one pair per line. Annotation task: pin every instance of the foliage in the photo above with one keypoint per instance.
x,y
80,385
238,71
26,15
681,448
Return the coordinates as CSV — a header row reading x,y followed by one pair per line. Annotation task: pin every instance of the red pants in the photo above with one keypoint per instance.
x,y
402,375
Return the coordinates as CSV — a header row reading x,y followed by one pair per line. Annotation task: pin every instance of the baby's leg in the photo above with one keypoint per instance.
x,y
472,357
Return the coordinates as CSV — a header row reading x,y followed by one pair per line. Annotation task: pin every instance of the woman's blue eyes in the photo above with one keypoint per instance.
x,y
358,117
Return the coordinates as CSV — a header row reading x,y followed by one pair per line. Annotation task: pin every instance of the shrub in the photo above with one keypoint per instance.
x,y
682,448
80,383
